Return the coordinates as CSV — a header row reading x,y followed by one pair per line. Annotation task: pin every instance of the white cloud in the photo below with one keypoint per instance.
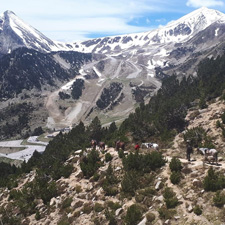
x,y
71,20
79,29
206,3
75,18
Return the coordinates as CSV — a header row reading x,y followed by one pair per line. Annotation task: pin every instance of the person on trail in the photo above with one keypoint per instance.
x,y
137,146
189,150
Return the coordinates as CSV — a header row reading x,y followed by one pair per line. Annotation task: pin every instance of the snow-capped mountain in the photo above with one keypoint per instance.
x,y
128,67
177,31
160,49
15,33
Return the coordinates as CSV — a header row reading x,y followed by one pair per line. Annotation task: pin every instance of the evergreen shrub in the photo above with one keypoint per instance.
x,y
175,165
133,215
219,199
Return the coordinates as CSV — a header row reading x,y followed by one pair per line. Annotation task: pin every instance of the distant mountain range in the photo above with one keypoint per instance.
x,y
136,62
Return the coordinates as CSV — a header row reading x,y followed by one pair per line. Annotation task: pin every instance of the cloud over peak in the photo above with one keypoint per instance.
x,y
206,3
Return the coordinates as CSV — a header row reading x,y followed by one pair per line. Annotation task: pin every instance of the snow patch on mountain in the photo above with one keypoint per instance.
x,y
175,32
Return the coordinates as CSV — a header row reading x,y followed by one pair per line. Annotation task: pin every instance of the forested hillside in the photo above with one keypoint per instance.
x,y
164,115
161,119
27,69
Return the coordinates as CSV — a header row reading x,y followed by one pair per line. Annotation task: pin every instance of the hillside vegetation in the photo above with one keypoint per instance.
x,y
71,183
26,69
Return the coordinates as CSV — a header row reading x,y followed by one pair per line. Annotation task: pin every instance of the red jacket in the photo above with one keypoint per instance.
x,y
137,147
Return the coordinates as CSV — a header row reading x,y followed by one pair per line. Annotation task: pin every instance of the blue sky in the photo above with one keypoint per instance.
x,y
72,20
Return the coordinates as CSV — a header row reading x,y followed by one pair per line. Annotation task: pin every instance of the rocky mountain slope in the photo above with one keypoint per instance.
x,y
141,61
83,200
15,33
162,47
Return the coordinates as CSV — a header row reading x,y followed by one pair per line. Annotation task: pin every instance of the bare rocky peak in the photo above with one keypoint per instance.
x,y
15,33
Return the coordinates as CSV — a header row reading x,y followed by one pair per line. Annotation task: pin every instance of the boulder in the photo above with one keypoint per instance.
x,y
143,222
189,196
167,222
78,152
69,215
118,168
99,192
77,204
118,211
197,183
158,185
52,201
82,195
195,173
190,208
89,187
160,198
179,197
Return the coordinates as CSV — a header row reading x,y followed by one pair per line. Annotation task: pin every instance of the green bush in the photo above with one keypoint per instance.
x,y
64,221
214,181
143,163
90,163
223,118
129,183
146,180
219,199
133,215
150,217
171,202
114,205
223,132
110,190
202,103
111,217
196,136
15,194
165,213
175,165
148,191
197,210
218,124
110,181
139,198
121,153
96,177
170,198
87,208
37,215
66,203
98,207
175,177
108,157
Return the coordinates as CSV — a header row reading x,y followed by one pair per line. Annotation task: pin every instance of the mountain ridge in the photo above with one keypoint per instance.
x,y
138,62
27,36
